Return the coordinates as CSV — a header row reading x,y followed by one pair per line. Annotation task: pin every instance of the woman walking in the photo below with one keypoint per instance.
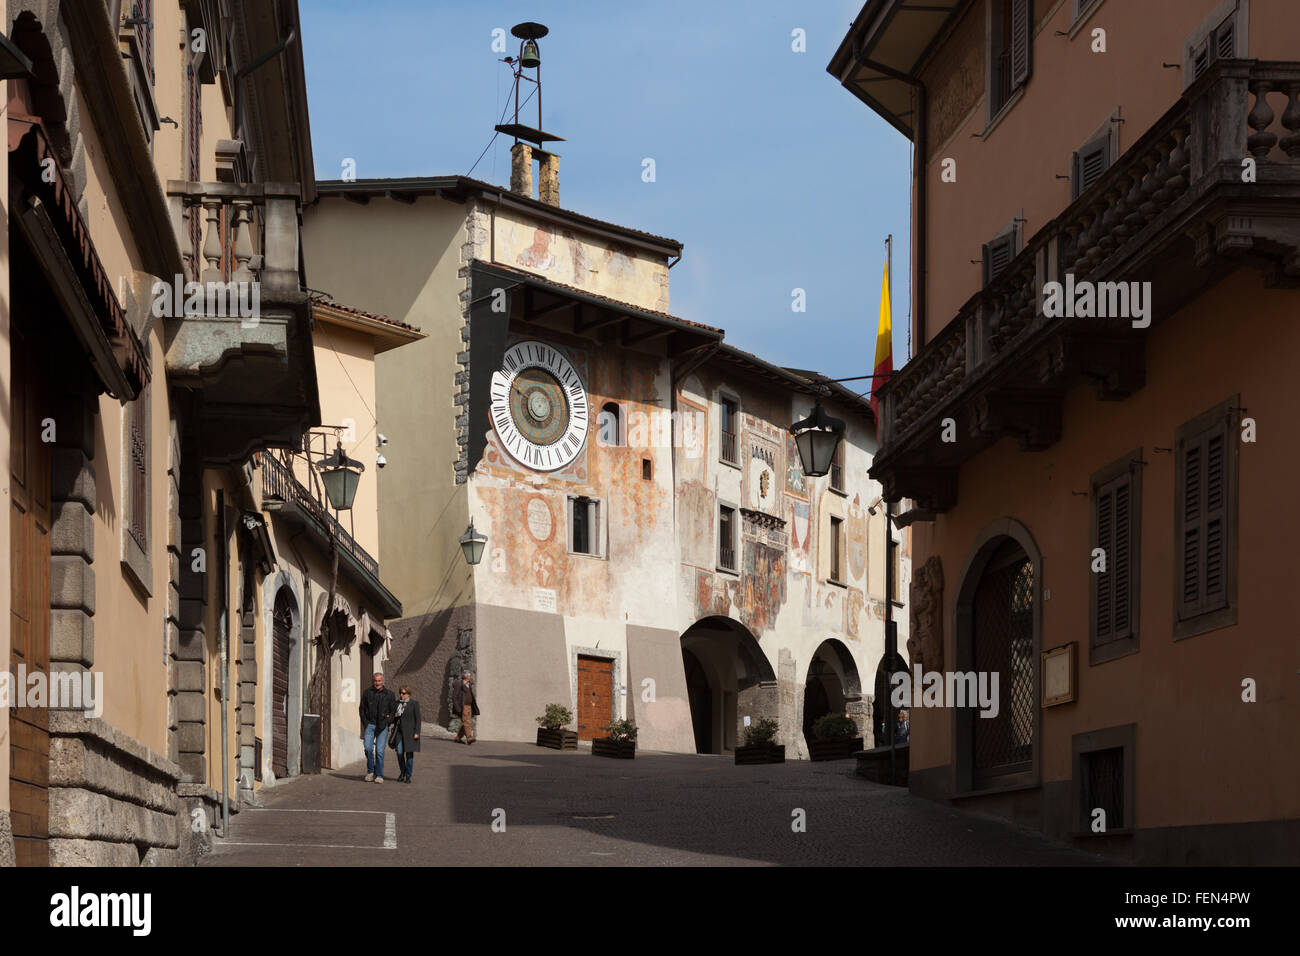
x,y
406,730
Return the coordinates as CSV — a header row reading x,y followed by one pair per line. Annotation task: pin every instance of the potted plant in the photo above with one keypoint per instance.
x,y
621,741
760,743
551,728
835,737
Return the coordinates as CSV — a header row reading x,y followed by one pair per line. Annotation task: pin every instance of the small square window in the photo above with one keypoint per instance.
x,y
647,469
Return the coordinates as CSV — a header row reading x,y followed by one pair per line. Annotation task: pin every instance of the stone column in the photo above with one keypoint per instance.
x,y
72,537
189,660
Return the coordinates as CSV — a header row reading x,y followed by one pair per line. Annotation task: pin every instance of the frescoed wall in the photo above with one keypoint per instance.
x,y
603,266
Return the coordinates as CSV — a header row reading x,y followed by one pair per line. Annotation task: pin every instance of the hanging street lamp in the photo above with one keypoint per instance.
x,y
472,544
340,475
817,437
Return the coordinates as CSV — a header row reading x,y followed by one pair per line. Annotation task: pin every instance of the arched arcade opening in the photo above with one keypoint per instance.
x,y
728,679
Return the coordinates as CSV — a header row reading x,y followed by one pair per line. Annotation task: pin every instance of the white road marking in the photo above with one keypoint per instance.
x,y
318,846
390,830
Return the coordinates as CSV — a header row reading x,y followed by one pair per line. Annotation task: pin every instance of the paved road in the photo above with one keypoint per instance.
x,y
575,809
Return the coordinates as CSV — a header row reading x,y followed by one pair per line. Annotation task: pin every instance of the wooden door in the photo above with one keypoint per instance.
x,y
29,624
282,622
595,696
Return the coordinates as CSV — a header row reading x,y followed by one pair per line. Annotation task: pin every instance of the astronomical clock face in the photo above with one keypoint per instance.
x,y
539,407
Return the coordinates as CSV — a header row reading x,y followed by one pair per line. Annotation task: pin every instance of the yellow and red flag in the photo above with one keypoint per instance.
x,y
884,349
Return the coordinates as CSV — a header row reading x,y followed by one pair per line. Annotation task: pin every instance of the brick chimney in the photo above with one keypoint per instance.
x,y
521,170
548,177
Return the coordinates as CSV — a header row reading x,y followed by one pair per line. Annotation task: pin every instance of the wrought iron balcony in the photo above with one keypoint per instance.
x,y
238,327
1174,210
285,494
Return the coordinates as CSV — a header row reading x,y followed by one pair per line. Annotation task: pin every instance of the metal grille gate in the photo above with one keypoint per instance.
x,y
1004,644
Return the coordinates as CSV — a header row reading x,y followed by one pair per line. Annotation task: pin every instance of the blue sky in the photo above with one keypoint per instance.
x,y
772,175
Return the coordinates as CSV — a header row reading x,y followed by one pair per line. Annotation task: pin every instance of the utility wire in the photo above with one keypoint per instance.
x,y
499,122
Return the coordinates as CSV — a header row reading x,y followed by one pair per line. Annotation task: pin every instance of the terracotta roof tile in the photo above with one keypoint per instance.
x,y
375,316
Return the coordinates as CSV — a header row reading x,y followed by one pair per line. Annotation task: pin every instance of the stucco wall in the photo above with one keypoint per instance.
x,y
1185,696
345,377
1071,92
402,261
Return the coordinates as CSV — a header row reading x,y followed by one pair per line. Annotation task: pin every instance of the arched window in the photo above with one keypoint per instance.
x,y
1002,643
612,433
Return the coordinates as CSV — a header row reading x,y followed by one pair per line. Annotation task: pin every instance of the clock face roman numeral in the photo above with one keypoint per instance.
x,y
514,436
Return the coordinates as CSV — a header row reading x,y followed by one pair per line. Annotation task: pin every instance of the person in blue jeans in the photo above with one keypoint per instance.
x,y
406,732
378,706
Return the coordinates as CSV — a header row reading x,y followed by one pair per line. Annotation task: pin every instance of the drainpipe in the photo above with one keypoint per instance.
x,y
223,656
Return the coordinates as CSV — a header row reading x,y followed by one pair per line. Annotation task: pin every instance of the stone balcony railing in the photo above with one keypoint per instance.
x,y
1176,209
239,232
239,329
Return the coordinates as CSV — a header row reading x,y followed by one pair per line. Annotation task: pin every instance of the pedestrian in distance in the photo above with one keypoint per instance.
x,y
406,732
378,707
465,703
904,728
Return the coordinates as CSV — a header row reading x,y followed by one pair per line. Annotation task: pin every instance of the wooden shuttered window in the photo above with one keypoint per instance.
x,y
998,253
1011,42
1219,44
1022,41
1205,522
1088,163
1116,531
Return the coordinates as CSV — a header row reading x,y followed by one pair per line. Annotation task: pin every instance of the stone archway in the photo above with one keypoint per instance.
x,y
832,686
997,622
733,679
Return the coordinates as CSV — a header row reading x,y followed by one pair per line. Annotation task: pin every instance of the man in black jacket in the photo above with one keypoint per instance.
x,y
378,705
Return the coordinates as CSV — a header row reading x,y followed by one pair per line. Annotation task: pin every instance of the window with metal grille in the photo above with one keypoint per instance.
x,y
1010,50
1003,643
1205,520
1116,531
836,544
584,526
137,470
142,14
1102,786
729,445
726,538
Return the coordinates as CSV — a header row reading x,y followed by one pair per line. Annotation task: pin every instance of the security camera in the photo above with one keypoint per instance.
x,y
381,439
380,461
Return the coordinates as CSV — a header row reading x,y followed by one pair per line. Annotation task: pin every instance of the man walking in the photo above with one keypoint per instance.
x,y
378,707
465,703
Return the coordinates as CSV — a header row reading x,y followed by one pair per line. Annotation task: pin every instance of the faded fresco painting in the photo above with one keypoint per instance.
x,y
606,267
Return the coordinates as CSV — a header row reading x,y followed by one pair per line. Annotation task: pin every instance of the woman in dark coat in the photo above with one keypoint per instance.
x,y
406,731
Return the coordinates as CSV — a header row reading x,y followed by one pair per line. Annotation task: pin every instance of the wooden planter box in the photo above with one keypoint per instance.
x,y
841,748
761,753
557,739
604,747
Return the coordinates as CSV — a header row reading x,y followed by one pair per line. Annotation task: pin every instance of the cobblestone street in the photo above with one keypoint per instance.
x,y
576,809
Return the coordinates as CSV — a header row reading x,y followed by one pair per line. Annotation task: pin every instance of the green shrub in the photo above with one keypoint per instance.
x,y
621,730
557,717
834,727
761,732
